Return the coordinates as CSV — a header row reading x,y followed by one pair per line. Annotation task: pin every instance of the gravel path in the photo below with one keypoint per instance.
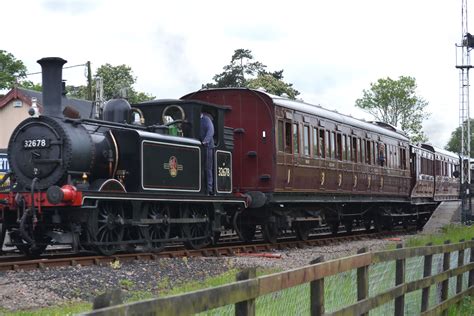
x,y
39,288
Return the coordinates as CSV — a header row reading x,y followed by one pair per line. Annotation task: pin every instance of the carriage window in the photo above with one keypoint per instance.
x,y
281,145
438,168
338,148
344,147
306,139
374,153
333,146
316,152
392,164
288,148
403,159
295,139
322,143
381,154
354,149
348,148
326,142
362,150
368,152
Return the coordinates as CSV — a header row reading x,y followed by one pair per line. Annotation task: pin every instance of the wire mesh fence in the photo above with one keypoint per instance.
x,y
340,290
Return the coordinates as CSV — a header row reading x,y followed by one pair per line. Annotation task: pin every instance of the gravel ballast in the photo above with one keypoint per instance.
x,y
21,290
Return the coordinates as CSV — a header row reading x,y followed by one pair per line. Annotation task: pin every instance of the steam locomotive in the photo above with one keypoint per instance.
x,y
134,179
116,183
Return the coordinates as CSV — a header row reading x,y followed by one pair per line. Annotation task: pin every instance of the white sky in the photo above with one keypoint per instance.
x,y
329,50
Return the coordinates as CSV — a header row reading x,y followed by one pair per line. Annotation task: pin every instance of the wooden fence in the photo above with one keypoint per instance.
x,y
244,292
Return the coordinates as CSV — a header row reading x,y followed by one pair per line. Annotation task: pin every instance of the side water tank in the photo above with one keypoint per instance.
x,y
117,110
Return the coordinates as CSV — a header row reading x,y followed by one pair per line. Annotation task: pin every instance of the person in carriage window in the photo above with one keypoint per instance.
x,y
381,155
207,139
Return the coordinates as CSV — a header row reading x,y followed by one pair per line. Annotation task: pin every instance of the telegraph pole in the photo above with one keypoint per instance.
x,y
463,51
89,81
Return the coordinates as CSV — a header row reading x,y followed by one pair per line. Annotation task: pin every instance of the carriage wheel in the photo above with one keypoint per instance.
x,y
152,232
302,230
197,235
270,232
106,225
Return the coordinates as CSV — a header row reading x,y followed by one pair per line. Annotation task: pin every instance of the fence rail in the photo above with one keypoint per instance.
x,y
248,288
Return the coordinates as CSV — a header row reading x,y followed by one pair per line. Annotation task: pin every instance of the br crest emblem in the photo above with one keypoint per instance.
x,y
173,166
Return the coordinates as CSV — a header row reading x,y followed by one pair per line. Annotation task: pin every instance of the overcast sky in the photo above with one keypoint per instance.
x,y
329,50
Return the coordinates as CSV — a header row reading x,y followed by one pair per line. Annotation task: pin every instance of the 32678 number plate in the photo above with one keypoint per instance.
x,y
36,143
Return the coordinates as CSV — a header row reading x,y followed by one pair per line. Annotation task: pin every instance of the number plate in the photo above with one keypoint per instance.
x,y
36,143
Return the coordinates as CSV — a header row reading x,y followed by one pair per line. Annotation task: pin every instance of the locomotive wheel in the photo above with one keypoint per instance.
x,y
334,226
302,230
367,224
348,226
151,232
106,224
270,232
26,248
197,235
247,231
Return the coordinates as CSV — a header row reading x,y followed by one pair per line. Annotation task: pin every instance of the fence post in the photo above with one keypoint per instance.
x,y
317,292
425,292
362,280
460,264
445,283
400,279
471,272
246,308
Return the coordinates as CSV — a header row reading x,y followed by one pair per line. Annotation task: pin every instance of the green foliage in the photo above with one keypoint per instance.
x,y
118,82
244,72
116,78
30,85
126,284
11,70
454,143
78,92
273,85
395,102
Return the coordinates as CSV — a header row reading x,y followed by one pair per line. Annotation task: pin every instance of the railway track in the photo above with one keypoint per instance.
x,y
15,262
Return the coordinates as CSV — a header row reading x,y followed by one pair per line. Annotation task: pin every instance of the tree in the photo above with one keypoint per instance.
x,y
454,143
11,70
242,67
30,85
395,102
117,80
273,85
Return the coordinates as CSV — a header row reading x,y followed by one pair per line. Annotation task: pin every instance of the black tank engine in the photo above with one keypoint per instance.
x,y
115,182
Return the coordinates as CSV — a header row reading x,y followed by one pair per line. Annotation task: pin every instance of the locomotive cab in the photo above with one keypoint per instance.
x,y
179,122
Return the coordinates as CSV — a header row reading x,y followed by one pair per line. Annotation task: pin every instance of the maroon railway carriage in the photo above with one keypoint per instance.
x,y
304,165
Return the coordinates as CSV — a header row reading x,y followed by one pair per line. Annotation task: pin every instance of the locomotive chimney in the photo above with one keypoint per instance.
x,y
52,68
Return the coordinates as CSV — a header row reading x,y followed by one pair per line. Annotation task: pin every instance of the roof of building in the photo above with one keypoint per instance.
x,y
83,106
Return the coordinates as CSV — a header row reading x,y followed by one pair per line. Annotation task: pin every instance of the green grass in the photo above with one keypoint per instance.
x,y
62,310
454,233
